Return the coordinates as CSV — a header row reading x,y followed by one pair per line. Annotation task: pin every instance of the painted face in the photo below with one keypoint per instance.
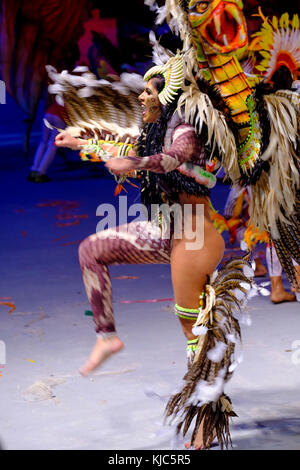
x,y
150,103
219,25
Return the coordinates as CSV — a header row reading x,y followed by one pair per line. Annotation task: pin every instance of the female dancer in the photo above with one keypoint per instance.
x,y
137,243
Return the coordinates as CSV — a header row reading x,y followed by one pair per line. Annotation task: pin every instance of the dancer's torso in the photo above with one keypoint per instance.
x,y
190,183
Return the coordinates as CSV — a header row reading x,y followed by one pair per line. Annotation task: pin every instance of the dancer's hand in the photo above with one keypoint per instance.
x,y
120,165
66,140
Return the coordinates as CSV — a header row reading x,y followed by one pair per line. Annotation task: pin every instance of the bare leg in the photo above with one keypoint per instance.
x,y
136,243
41,149
189,276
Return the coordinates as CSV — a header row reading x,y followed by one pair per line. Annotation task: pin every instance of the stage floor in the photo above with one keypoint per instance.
x,y
46,404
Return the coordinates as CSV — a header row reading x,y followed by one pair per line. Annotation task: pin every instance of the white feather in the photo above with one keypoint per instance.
x,y
216,354
238,294
249,272
245,285
206,392
231,338
199,330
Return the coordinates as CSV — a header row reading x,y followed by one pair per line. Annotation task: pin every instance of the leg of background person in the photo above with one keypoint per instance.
x,y
260,269
135,243
296,289
41,148
50,151
278,294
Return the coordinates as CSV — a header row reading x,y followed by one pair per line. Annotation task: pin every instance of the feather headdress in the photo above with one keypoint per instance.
x,y
278,42
173,73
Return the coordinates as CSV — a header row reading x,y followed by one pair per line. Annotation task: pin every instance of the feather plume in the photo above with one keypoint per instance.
x,y
274,205
160,55
98,107
202,393
199,111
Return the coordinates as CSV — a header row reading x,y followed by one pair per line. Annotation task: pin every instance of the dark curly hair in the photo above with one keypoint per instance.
x,y
157,188
155,132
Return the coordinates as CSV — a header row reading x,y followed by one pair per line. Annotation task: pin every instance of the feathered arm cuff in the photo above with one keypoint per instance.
x,y
95,148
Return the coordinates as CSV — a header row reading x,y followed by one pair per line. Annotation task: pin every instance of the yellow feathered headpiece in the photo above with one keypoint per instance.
x,y
173,73
278,42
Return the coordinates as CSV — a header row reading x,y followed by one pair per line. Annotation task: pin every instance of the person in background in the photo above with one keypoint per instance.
x,y
278,294
46,150
237,211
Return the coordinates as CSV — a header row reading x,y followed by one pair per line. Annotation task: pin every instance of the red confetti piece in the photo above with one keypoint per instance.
x,y
48,204
147,301
60,238
71,216
19,211
67,224
71,243
126,277
9,304
24,233
64,204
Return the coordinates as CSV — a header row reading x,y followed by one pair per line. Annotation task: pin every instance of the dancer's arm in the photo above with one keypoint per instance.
x,y
185,146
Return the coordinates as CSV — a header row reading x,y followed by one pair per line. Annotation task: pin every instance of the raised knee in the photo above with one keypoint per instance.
x,y
82,249
86,247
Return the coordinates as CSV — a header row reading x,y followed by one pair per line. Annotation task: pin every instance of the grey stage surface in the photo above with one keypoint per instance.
x,y
46,404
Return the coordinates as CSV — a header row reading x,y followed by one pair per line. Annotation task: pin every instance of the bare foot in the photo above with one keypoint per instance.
x,y
100,352
278,294
260,269
198,443
278,297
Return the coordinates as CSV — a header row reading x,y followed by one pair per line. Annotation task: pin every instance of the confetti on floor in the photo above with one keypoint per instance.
x,y
64,204
121,278
146,301
9,304
60,238
71,243
71,216
67,224
19,211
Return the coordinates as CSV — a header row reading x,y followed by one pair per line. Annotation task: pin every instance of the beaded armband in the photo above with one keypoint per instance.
x,y
200,175
186,313
192,345
94,148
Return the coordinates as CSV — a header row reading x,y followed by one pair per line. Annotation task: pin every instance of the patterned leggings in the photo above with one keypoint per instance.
x,y
135,243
